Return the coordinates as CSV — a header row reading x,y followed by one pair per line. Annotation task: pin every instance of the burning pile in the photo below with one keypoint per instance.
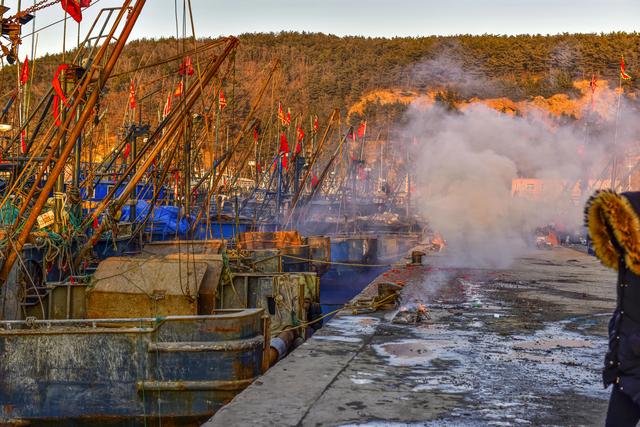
x,y
411,314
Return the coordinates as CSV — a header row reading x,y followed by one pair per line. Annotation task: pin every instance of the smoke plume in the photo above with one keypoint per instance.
x,y
464,163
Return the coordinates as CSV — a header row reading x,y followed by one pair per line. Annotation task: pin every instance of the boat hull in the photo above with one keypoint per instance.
x,y
129,371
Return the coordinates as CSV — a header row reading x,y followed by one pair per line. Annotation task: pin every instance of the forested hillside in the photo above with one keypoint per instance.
x,y
321,72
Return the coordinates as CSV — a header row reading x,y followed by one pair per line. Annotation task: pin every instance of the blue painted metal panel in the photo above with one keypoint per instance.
x,y
173,367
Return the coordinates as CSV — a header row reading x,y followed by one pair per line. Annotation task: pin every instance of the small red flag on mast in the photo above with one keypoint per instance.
x,y
126,151
23,144
284,144
222,101
24,72
186,68
167,106
72,7
132,95
623,71
283,119
362,129
179,89
59,94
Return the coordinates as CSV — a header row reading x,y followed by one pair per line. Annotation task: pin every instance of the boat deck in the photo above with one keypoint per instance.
x,y
522,346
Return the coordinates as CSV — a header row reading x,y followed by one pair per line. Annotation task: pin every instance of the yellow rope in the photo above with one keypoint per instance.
x,y
321,262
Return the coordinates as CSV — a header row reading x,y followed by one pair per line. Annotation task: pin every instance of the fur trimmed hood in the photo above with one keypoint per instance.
x,y
614,227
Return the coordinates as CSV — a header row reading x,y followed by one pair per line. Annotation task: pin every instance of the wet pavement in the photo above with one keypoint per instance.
x,y
522,346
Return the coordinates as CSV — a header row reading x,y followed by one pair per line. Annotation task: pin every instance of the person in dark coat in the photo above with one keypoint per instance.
x,y
613,221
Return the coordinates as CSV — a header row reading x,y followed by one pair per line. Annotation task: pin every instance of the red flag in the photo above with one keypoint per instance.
x,y
59,95
314,181
186,68
315,124
623,72
126,151
222,101
298,148
24,72
255,135
259,167
23,144
132,95
72,7
281,116
56,83
362,129
167,106
285,161
85,3
179,89
95,222
284,144
300,133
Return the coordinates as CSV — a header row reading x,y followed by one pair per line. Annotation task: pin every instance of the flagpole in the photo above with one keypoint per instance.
x,y
614,164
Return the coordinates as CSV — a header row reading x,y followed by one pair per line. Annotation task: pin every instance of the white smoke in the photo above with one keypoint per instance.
x,y
464,164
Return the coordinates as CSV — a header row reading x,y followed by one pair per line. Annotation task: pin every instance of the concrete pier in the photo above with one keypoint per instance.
x,y
522,346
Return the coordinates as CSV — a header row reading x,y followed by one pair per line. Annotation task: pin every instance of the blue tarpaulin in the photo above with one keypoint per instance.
x,y
165,218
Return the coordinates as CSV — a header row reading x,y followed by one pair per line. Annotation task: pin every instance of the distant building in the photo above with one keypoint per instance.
x,y
549,189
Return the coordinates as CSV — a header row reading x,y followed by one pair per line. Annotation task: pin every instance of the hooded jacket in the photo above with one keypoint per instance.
x,y
613,221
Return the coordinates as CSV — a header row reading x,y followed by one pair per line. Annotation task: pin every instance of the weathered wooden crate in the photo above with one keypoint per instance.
x,y
145,287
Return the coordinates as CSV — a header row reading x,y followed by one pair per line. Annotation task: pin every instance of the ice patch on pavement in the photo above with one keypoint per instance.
x,y
353,325
360,381
411,352
348,329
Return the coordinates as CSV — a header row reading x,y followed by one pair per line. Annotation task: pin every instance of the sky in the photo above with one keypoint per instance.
x,y
383,18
